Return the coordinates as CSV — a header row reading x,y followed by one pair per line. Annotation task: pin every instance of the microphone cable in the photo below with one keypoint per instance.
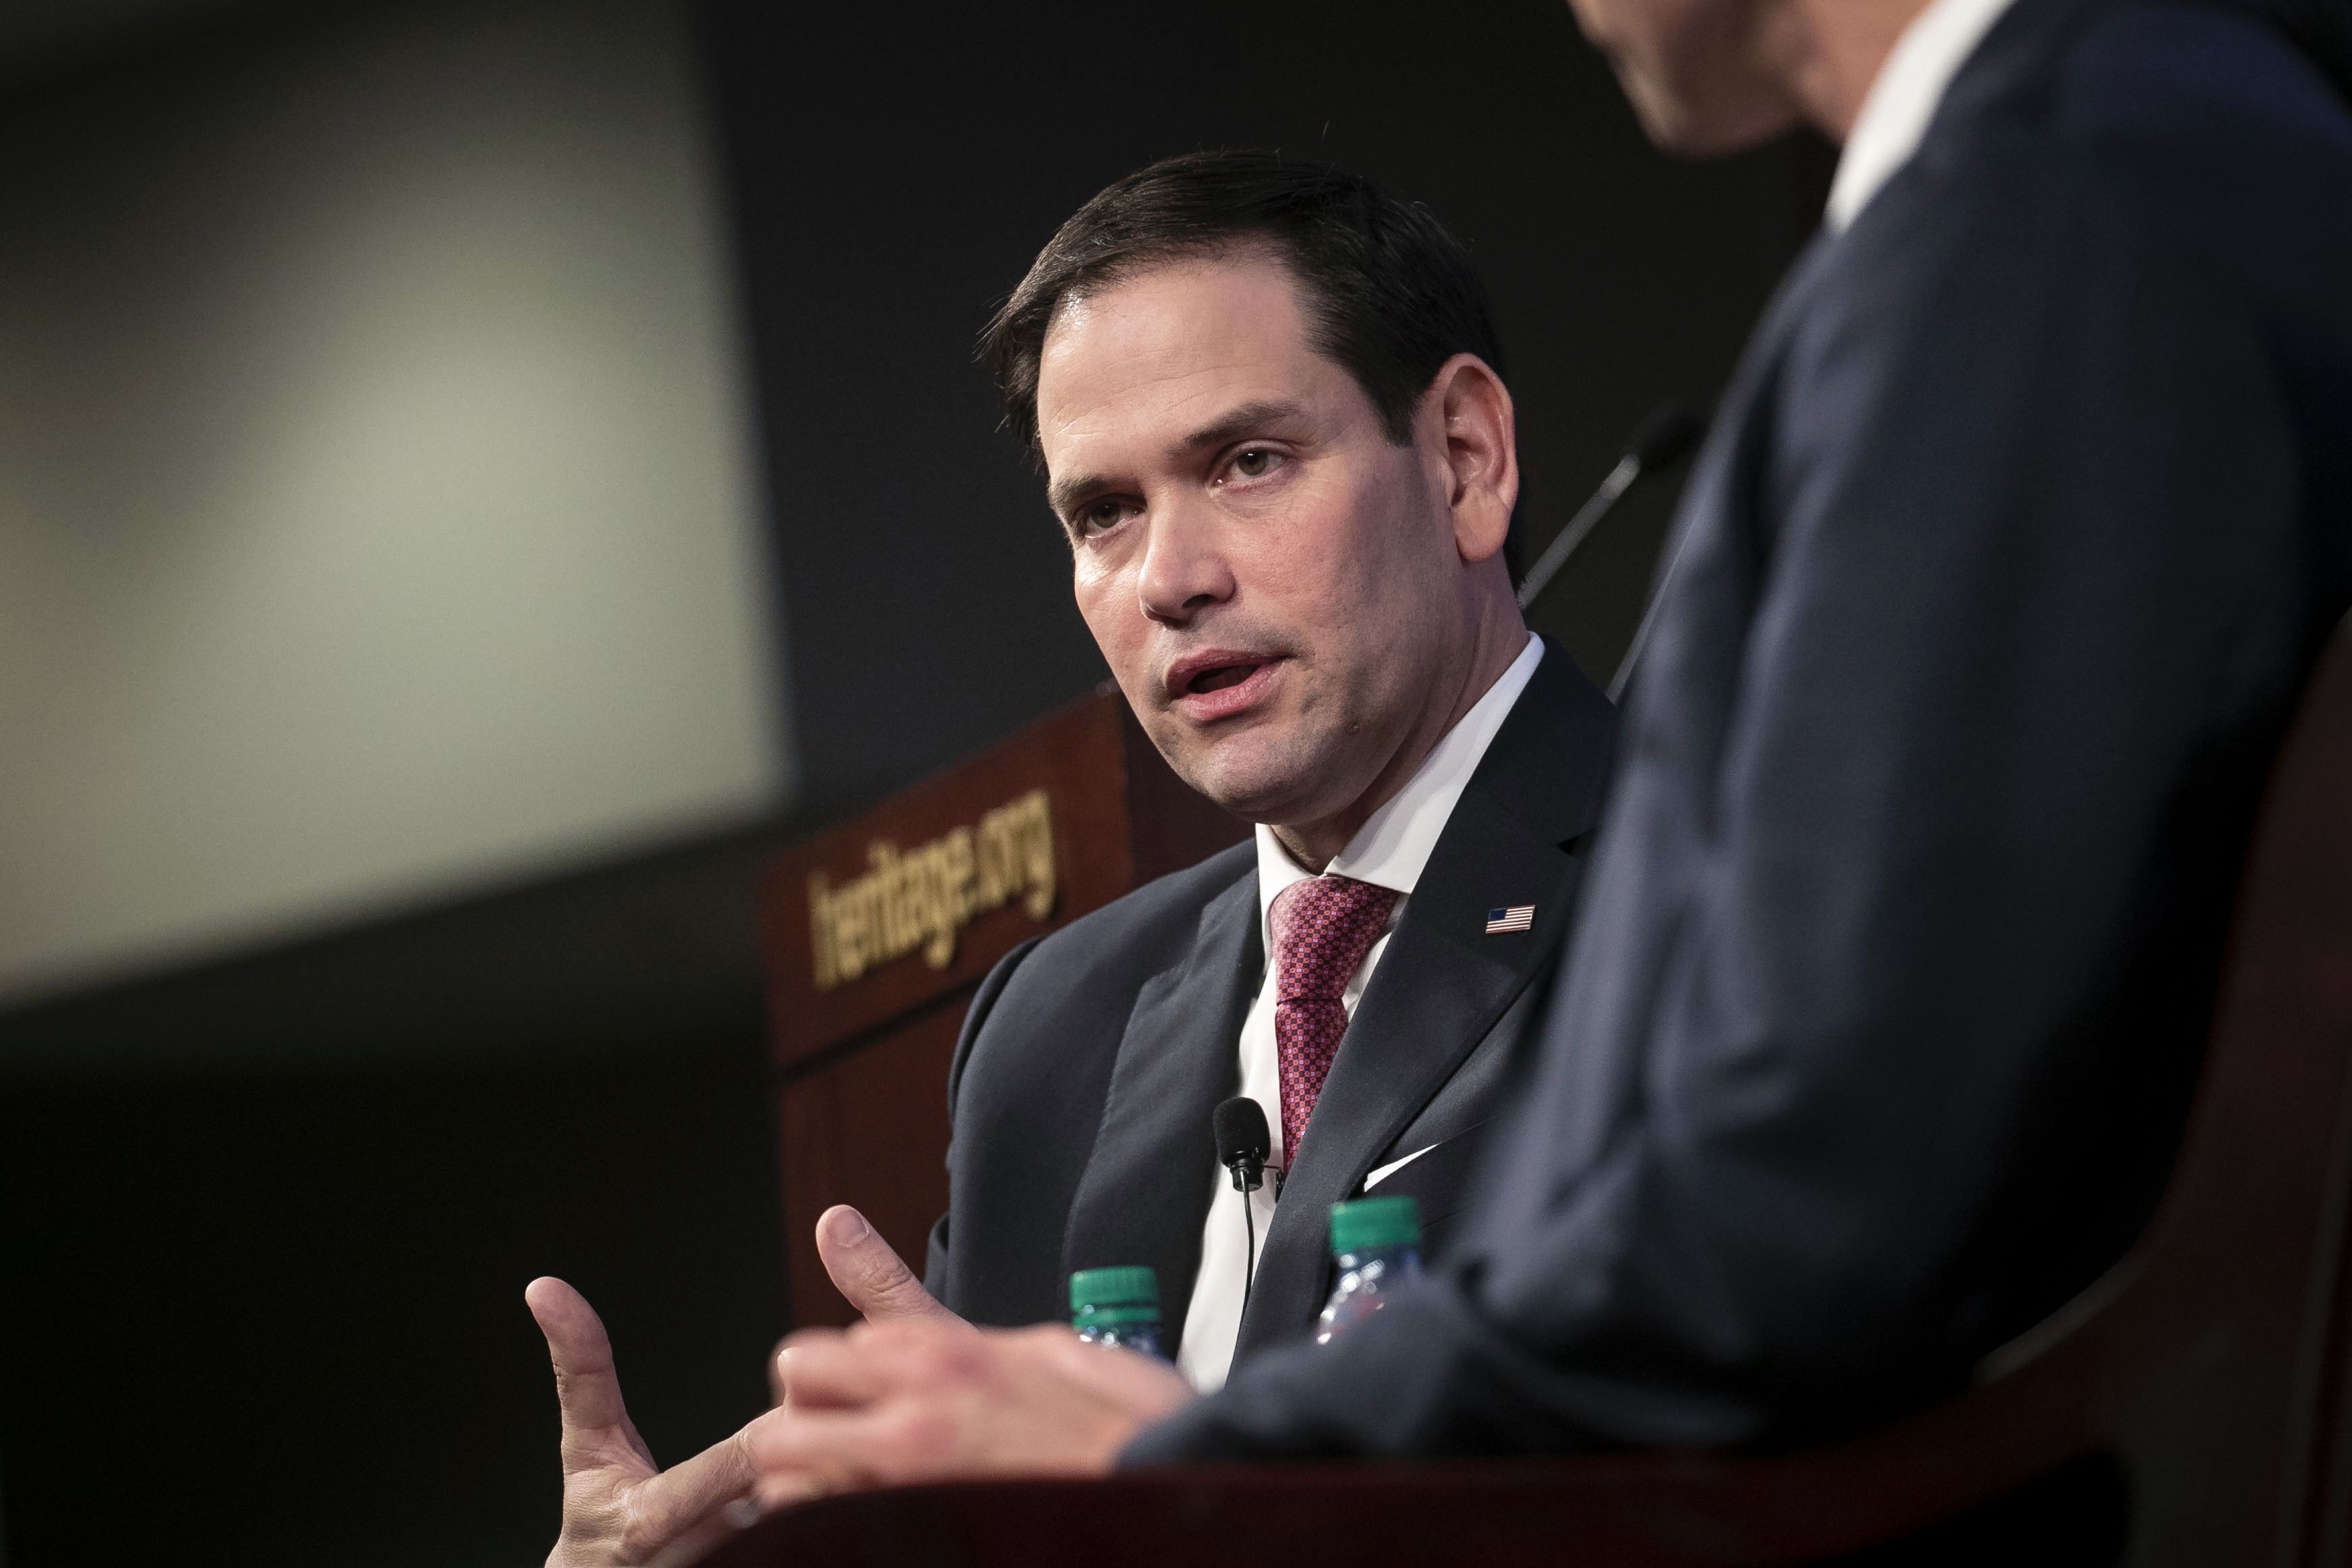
x,y
1243,1142
1249,1251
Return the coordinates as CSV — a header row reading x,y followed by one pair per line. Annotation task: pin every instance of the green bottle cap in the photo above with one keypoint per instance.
x,y
1115,1298
1374,1222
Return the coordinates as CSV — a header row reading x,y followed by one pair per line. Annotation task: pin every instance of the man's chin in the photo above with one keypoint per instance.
x,y
1699,113
1254,788
1668,120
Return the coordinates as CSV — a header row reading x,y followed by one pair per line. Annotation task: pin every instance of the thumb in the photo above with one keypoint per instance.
x,y
867,1273
587,1387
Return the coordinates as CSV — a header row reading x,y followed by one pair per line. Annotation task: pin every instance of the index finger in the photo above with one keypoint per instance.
x,y
800,1453
670,1507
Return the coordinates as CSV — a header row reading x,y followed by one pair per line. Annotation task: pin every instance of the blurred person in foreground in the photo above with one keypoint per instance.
x,y
2023,521
1267,398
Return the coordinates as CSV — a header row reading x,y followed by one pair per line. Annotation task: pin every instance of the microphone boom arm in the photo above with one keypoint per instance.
x,y
1665,435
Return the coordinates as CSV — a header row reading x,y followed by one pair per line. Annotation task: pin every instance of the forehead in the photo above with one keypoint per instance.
x,y
1173,347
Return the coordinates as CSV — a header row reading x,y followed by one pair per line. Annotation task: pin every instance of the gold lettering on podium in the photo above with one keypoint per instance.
x,y
922,898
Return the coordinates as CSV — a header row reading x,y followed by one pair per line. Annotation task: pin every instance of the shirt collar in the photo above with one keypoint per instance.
x,y
1394,843
1903,100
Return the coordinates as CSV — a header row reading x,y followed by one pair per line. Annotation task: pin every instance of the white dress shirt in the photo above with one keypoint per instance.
x,y
1903,98
1390,851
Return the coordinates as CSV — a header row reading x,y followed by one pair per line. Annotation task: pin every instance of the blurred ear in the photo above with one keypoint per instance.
x,y
1470,411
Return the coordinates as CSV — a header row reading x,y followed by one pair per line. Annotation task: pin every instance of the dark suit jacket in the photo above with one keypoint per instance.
x,y
1092,1058
2021,524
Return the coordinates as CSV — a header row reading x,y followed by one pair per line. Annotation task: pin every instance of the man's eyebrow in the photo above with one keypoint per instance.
x,y
1243,421
1063,496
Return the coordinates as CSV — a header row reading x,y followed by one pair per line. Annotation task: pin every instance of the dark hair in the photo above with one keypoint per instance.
x,y
1390,293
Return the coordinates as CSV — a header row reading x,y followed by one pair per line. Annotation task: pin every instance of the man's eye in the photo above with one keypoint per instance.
x,y
1256,463
1097,516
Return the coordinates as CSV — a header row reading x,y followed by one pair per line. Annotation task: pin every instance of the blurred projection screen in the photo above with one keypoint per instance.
x,y
377,506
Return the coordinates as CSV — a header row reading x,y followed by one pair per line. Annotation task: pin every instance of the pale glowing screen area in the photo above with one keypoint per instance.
x,y
377,516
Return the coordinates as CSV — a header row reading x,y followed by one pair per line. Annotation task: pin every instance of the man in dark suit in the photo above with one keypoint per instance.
x,y
2020,528
1266,400
1330,653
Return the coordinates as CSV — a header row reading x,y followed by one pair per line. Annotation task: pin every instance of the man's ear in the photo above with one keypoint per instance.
x,y
1472,409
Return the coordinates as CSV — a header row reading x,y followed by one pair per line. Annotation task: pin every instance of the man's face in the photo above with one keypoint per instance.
x,y
1704,76
1274,584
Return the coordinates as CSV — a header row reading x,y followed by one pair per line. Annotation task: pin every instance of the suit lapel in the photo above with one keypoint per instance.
x,y
1148,1184
1442,983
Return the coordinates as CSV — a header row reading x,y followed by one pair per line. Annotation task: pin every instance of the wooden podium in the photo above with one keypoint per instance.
x,y
877,933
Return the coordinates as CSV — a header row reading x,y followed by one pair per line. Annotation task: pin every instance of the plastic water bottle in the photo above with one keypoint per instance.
x,y
1117,1307
1377,1241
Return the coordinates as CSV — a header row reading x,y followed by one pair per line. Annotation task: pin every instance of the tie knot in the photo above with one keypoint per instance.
x,y
1322,927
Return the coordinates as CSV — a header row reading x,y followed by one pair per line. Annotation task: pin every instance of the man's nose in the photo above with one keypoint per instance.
x,y
1184,566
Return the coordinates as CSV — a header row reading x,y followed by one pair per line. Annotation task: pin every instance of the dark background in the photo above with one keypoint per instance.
x,y
255,1311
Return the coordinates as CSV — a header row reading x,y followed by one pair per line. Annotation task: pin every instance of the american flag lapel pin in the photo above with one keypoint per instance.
x,y
1517,918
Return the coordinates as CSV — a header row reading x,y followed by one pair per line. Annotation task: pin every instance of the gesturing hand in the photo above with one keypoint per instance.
x,y
621,1510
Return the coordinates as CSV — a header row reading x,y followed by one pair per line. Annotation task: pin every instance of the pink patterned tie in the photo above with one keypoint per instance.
x,y
1322,927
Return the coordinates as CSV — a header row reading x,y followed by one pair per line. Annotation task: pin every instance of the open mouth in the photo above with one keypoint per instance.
x,y
1221,682
1219,677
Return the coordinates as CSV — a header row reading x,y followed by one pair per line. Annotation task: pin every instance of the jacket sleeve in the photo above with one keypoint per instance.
x,y
1895,954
